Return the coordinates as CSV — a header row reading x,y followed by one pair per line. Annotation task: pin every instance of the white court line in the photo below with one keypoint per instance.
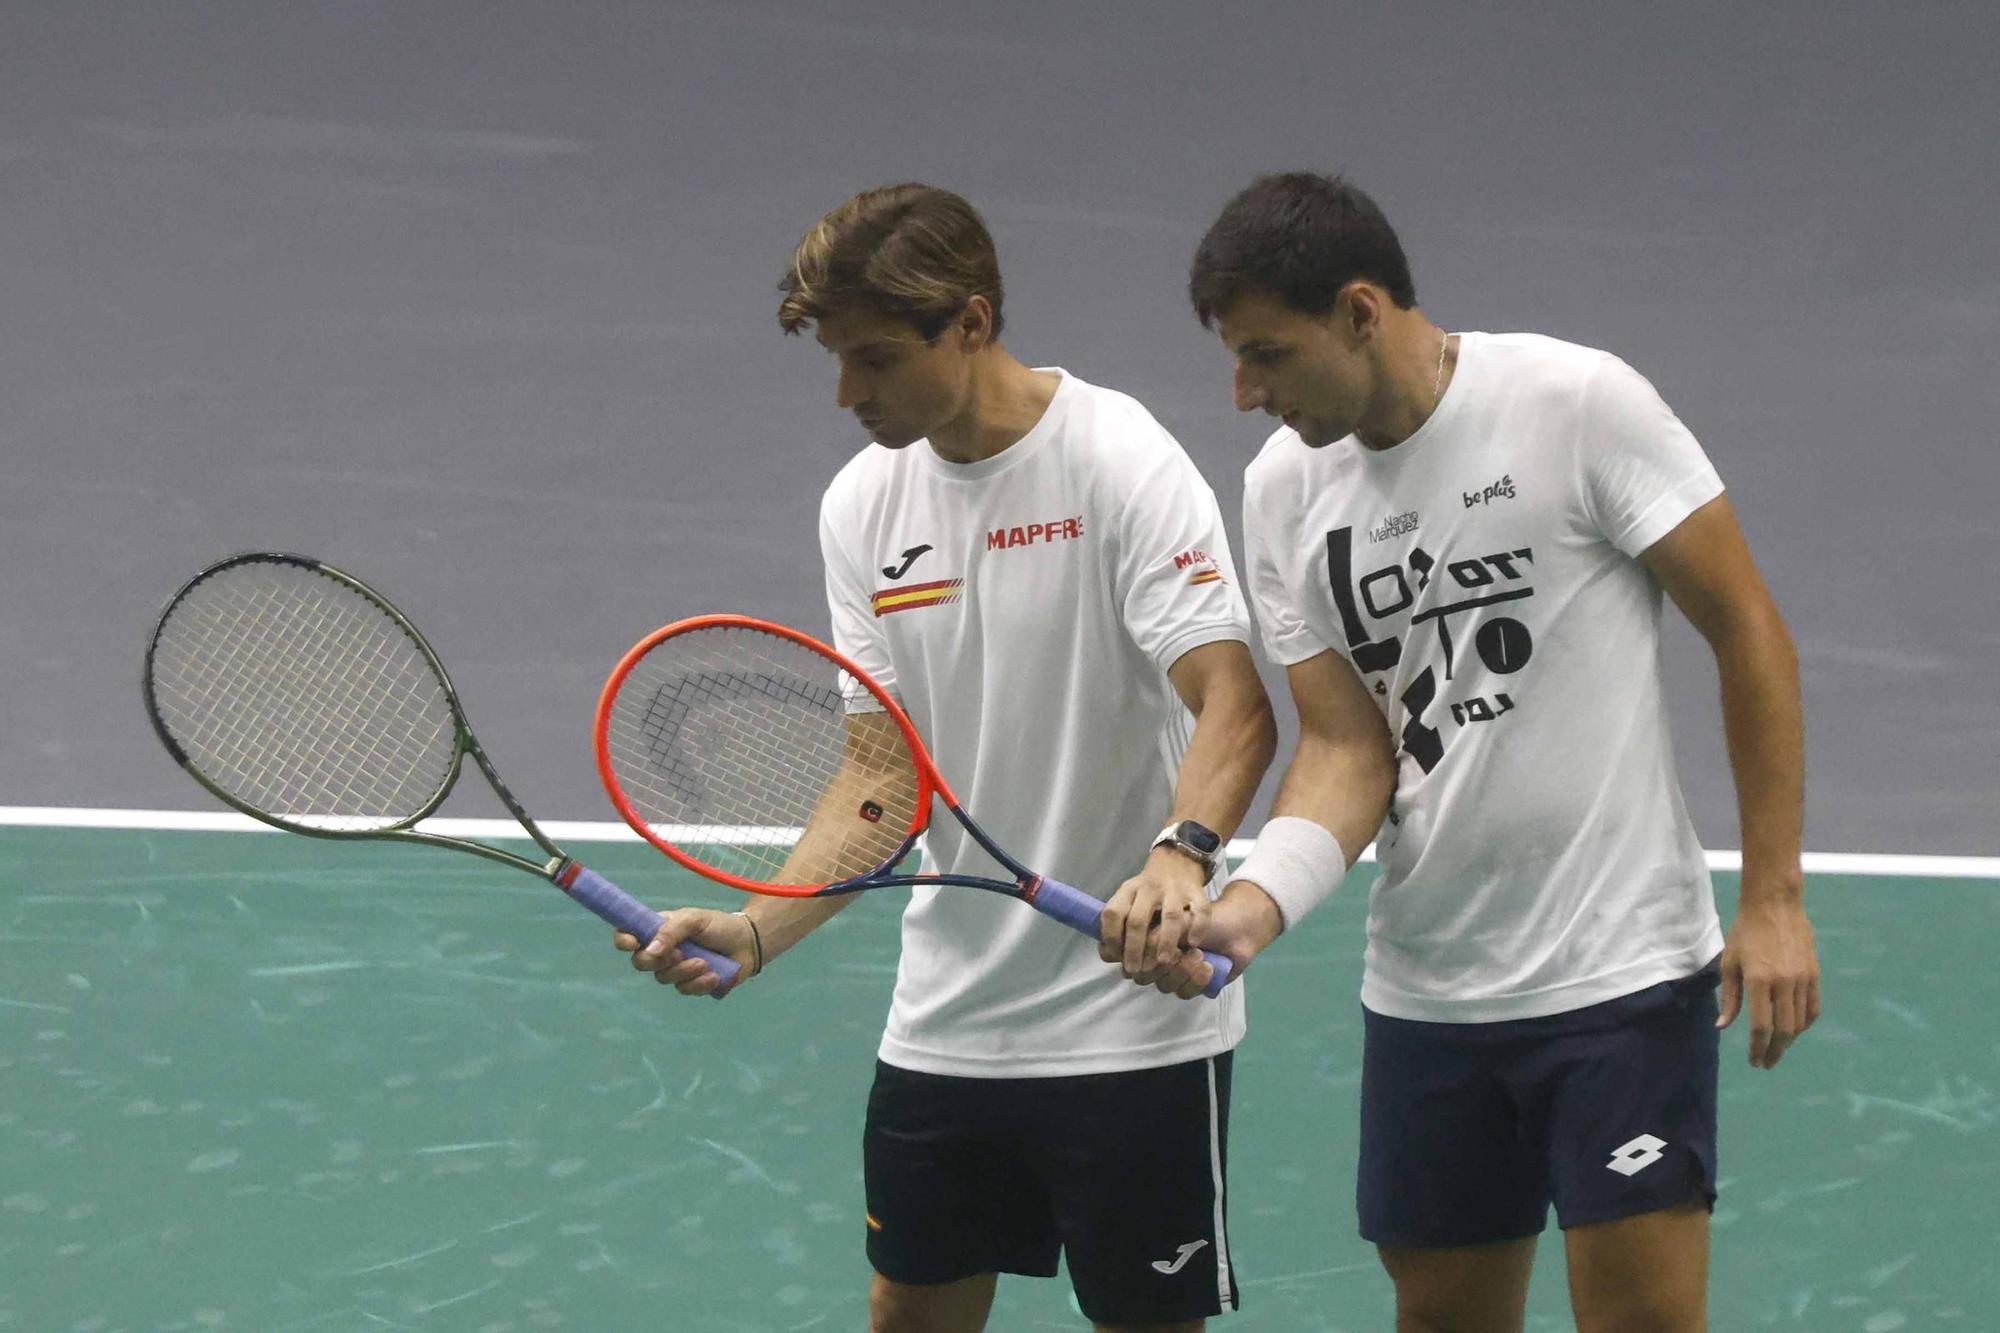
x,y
580,830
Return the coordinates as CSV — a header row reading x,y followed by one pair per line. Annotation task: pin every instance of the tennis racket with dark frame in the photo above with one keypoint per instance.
x,y
761,758
299,695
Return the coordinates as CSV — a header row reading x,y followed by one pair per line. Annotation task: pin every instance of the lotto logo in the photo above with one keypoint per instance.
x,y
1629,1159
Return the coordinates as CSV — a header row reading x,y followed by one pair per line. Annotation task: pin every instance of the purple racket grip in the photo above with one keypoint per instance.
x,y
622,910
1080,912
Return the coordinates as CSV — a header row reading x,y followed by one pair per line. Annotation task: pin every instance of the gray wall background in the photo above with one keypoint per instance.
x,y
476,300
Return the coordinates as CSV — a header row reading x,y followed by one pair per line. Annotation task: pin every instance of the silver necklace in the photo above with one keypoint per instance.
x,y
1437,381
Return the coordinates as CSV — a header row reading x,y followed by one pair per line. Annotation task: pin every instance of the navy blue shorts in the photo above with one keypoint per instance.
x,y
1125,1173
1469,1131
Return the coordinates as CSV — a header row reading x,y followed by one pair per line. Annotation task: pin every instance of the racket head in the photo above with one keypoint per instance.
x,y
300,696
718,736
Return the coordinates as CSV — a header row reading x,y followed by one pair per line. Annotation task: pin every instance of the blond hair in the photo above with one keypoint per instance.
x,y
910,252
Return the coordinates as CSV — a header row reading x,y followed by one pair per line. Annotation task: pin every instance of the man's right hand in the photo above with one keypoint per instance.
x,y
723,932
1238,925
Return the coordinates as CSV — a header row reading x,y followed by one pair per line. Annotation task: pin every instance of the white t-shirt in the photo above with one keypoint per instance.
x,y
1024,610
1482,579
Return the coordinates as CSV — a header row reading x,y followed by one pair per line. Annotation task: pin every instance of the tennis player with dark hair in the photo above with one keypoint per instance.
x,y
1037,572
1456,546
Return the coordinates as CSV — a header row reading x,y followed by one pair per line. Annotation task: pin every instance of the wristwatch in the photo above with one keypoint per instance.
x,y
1195,840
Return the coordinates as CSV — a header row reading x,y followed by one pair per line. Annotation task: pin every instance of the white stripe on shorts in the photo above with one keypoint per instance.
x,y
1223,1294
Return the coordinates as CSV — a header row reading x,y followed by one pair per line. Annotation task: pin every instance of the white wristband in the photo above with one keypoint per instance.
x,y
1297,862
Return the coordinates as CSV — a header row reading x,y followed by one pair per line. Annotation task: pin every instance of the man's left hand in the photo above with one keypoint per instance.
x,y
1769,965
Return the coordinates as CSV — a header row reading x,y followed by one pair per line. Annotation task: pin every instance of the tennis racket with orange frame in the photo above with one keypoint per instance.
x,y
759,757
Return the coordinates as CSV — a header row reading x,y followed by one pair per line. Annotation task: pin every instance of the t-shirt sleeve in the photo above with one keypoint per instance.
x,y
1176,581
857,631
1642,471
1286,635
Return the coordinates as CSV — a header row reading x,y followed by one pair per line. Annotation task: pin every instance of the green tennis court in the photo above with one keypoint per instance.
x,y
259,1083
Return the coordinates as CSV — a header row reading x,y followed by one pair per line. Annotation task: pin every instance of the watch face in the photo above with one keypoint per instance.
x,y
1200,837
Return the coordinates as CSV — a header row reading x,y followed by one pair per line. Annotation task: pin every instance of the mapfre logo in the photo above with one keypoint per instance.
x,y
1050,530
1201,562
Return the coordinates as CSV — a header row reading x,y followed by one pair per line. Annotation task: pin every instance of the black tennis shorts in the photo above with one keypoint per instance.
x,y
1124,1172
1469,1131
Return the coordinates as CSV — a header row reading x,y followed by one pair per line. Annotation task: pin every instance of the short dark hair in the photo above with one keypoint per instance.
x,y
1298,237
911,252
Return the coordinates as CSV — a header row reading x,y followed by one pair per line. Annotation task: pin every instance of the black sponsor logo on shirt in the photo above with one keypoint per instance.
x,y
1371,606
1394,526
893,572
1502,489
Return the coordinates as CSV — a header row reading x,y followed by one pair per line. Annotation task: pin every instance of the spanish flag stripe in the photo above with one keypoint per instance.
x,y
928,594
913,595
915,606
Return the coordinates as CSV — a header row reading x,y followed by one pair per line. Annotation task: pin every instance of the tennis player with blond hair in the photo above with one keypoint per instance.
x,y
1035,570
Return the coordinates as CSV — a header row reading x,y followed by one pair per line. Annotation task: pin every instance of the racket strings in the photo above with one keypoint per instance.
x,y
303,698
343,779
727,740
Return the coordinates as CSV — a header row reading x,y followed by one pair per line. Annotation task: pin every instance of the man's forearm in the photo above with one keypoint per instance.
x,y
1234,739
1344,788
1765,727
1341,788
837,843
783,922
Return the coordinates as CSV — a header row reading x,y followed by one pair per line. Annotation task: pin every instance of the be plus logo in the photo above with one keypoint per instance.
x,y
1502,489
